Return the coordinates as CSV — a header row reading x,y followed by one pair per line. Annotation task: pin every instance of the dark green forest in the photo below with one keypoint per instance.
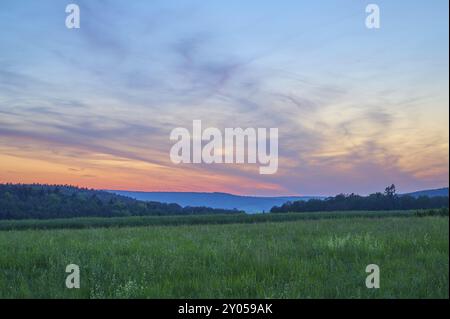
x,y
389,200
37,201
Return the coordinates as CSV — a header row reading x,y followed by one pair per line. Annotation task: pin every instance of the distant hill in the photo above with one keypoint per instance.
x,y
249,204
430,192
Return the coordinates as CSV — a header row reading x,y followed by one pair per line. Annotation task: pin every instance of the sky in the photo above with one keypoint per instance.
x,y
357,109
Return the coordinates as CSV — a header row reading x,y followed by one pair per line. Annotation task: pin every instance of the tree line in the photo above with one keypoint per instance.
x,y
389,200
39,201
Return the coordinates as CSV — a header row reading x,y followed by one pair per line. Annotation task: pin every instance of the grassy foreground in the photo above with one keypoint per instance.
x,y
298,259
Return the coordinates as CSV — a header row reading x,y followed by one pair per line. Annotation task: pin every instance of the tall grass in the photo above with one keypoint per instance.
x,y
97,222
297,259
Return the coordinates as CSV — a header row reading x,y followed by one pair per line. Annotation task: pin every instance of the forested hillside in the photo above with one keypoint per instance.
x,y
388,200
20,201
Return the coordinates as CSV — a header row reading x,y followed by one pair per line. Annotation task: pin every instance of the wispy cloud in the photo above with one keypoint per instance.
x,y
96,105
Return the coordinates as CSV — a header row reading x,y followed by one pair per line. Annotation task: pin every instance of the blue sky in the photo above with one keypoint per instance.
x,y
356,109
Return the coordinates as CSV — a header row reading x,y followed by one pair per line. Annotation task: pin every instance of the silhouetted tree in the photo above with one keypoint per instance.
x,y
390,191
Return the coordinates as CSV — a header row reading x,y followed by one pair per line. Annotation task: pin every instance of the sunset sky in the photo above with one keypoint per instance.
x,y
356,108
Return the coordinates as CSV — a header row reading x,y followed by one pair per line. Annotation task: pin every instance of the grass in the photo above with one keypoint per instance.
x,y
97,222
310,258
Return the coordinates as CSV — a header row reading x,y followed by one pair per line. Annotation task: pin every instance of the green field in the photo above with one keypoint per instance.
x,y
305,258
174,220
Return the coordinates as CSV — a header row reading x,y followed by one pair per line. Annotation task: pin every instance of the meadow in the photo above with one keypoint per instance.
x,y
315,257
175,220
